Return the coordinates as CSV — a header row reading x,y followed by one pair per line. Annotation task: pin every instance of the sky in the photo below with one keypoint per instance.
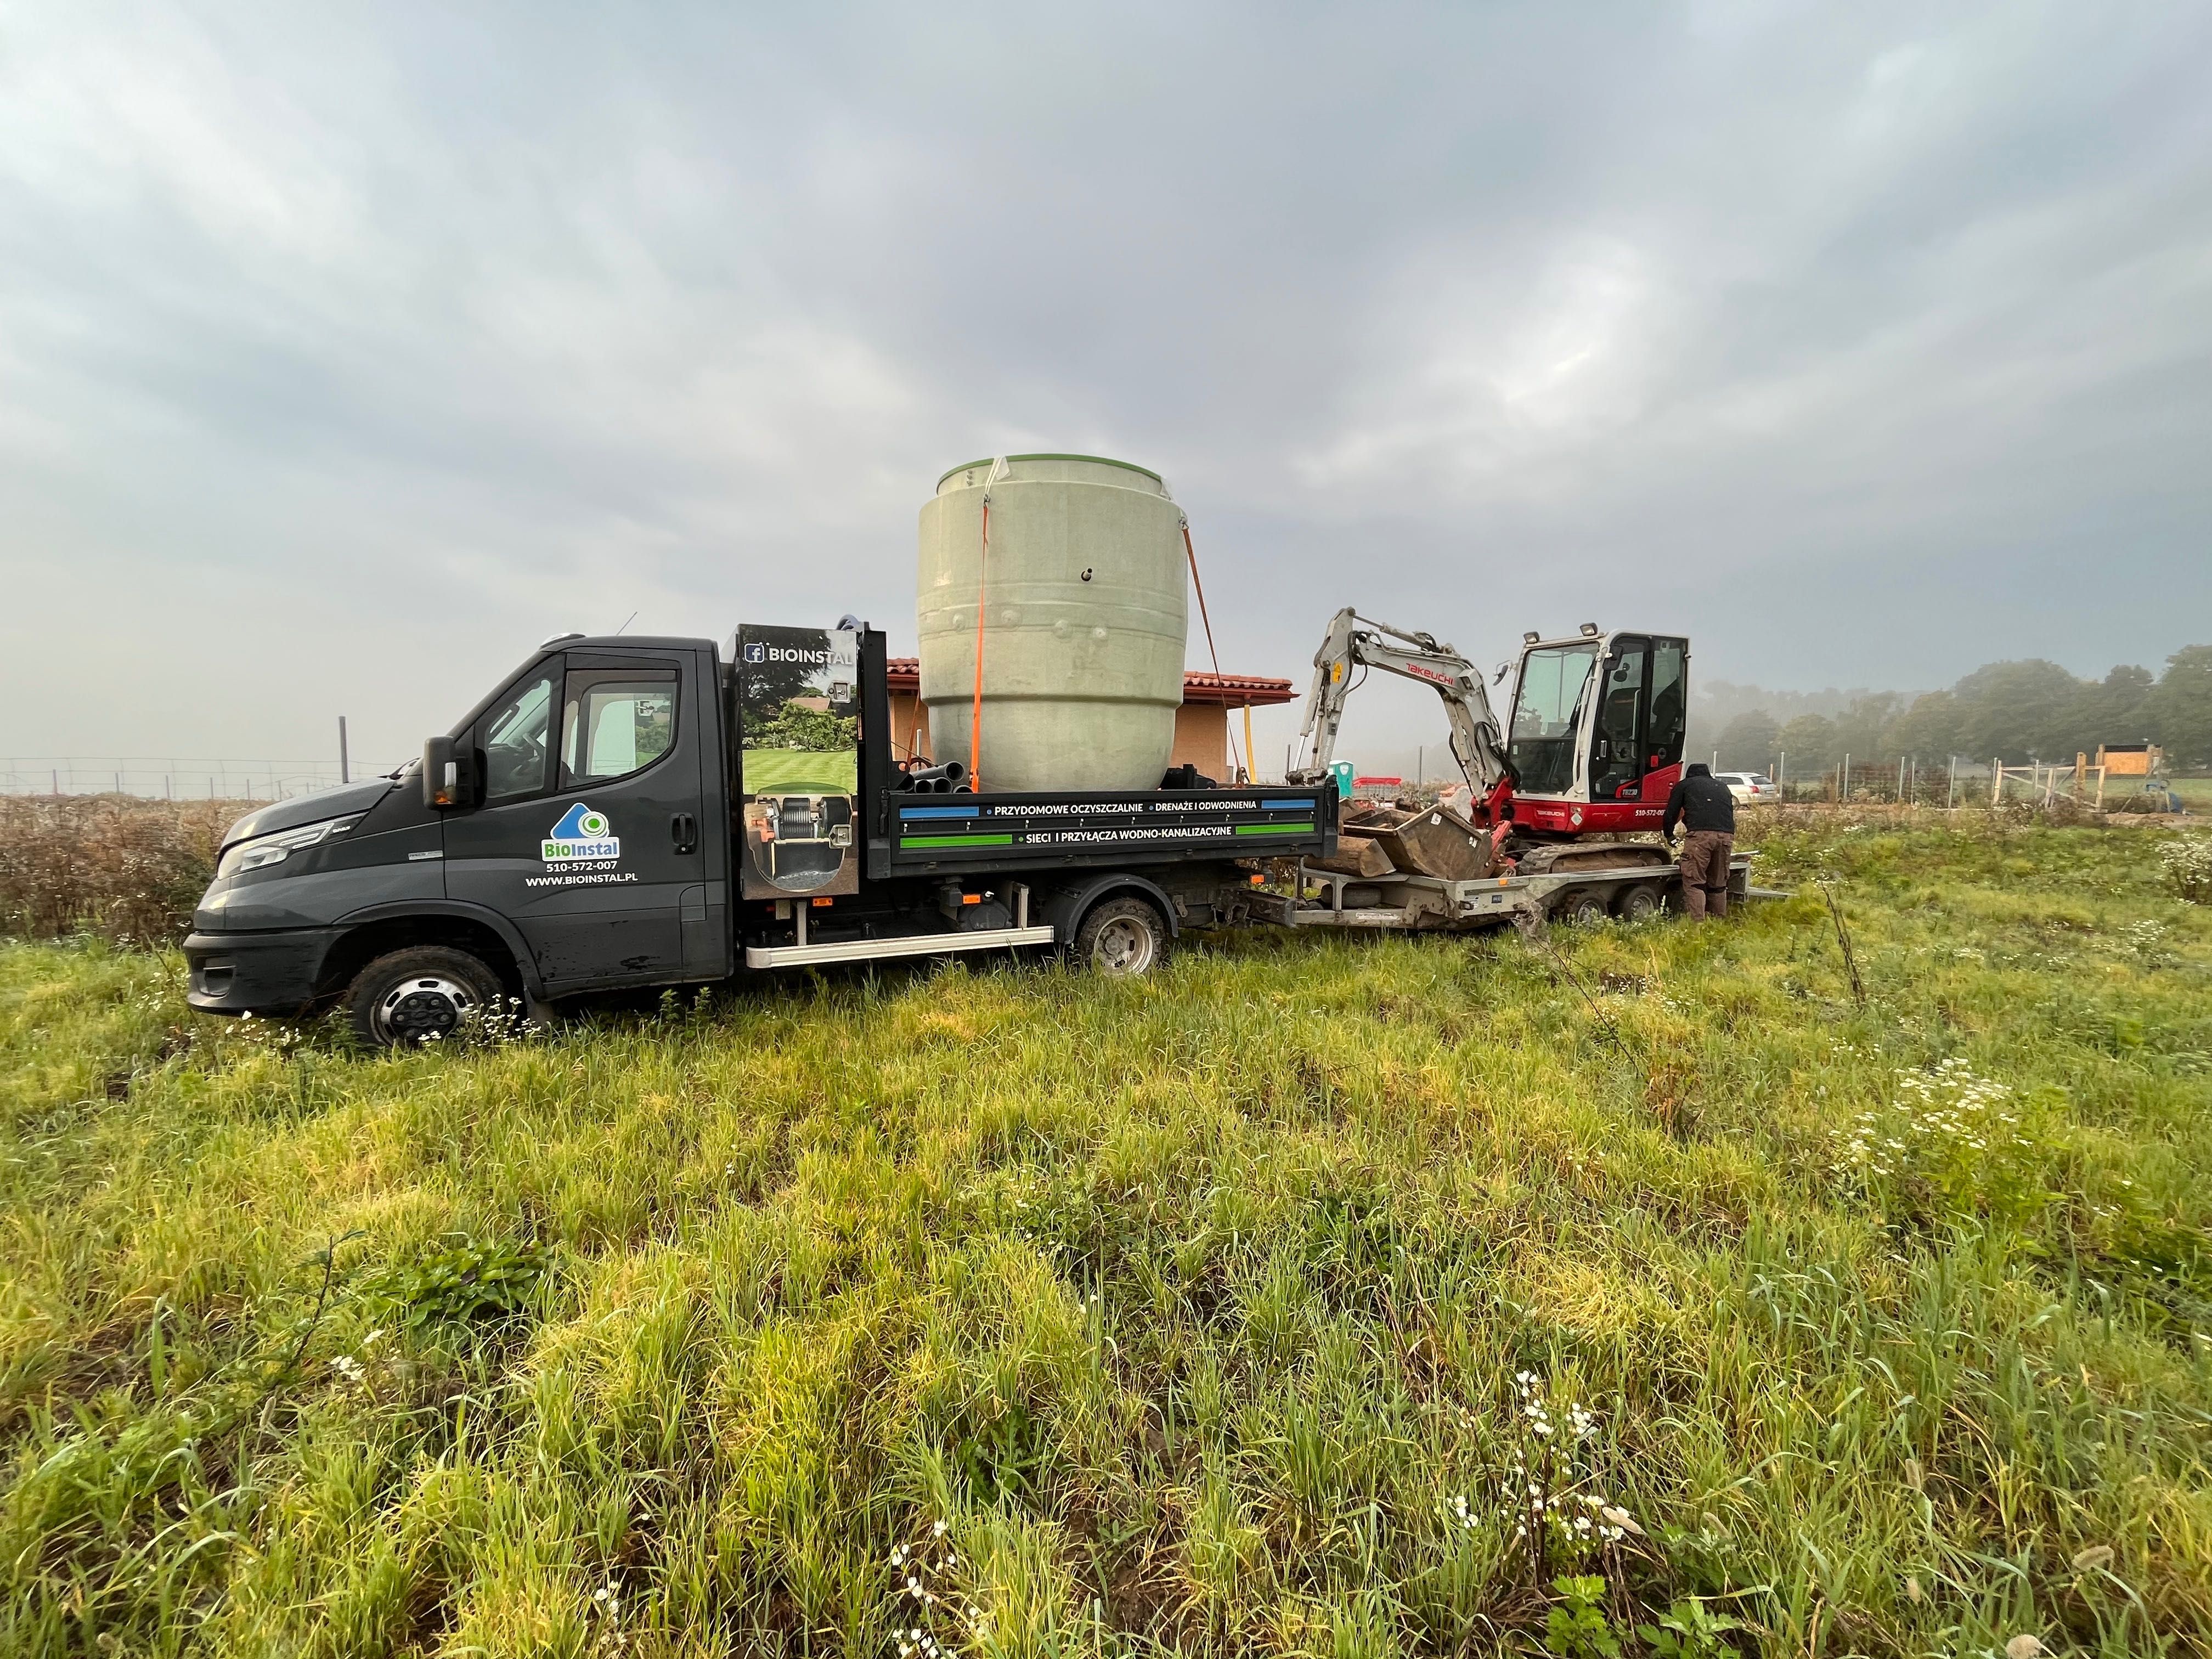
x,y
346,352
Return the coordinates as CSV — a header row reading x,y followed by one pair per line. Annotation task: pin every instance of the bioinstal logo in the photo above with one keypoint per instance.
x,y
581,834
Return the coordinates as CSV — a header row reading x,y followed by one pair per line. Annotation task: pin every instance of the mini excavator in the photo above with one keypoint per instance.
x,y
1593,748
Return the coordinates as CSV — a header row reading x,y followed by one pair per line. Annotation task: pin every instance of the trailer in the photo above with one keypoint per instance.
x,y
1402,902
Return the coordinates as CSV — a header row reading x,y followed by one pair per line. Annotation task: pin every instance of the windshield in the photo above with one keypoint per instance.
x,y
1547,708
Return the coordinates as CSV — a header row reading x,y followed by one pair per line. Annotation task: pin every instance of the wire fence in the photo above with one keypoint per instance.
x,y
175,778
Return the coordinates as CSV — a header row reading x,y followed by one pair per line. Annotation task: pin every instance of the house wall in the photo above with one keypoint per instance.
x,y
1201,739
910,727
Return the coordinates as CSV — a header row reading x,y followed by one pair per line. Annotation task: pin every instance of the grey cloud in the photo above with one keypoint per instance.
x,y
383,341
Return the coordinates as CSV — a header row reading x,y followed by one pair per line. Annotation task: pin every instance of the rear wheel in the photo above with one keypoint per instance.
x,y
1123,937
425,994
1639,904
1582,909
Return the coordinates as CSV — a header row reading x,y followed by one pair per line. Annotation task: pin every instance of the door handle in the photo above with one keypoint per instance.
x,y
683,831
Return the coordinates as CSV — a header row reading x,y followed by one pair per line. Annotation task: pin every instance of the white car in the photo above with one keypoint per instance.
x,y
1748,788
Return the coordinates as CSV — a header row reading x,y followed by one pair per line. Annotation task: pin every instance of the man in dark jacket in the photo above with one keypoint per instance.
x,y
1701,804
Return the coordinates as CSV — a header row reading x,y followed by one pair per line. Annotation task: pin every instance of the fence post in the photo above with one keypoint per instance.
x,y
1843,784
345,772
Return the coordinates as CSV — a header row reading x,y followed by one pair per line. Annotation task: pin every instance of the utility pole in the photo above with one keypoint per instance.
x,y
345,772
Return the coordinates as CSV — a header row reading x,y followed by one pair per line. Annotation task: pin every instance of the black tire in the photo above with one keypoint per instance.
x,y
425,994
1123,938
1583,907
1640,903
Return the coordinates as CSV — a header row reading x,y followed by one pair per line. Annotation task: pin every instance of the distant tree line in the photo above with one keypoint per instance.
x,y
2010,711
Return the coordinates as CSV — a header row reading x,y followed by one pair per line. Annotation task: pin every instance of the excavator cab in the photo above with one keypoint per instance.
x,y
1595,738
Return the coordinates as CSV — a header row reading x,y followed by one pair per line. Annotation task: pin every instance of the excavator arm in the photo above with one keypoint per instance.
x,y
1357,640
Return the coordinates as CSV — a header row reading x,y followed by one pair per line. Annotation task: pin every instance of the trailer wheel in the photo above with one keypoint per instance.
x,y
1121,937
1583,908
1639,904
423,994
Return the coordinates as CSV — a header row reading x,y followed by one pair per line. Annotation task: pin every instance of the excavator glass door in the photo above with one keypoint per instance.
x,y
1635,745
1617,744
1670,705
1597,729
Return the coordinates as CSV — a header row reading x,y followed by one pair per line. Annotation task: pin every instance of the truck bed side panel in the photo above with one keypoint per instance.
x,y
954,833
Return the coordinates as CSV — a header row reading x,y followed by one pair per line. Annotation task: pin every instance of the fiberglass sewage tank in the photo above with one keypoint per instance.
x,y
1084,627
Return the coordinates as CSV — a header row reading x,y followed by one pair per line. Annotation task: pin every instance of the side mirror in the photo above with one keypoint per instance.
x,y
448,774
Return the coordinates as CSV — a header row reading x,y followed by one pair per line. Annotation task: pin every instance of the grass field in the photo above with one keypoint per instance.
x,y
1341,1298
801,771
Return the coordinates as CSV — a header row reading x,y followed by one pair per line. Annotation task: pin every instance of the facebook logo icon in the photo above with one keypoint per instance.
x,y
755,651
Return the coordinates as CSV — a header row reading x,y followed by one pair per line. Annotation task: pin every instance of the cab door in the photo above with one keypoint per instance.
x,y
1667,725
589,834
1616,755
1636,732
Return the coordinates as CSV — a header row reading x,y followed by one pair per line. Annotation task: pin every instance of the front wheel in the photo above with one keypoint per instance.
x,y
1121,937
423,994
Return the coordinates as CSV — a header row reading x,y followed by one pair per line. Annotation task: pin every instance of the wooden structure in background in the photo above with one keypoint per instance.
x,y
1201,731
2129,760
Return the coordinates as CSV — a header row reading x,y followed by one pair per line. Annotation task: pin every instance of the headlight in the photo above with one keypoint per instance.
x,y
265,850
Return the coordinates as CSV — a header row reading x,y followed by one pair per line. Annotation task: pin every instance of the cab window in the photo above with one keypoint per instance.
x,y
615,723
516,738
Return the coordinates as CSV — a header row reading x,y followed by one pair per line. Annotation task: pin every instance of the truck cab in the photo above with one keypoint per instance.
x,y
1595,737
561,849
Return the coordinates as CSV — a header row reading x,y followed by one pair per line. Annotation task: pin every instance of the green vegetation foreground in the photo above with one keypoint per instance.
x,y
1329,1296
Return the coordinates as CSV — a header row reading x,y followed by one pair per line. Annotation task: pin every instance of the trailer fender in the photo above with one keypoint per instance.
x,y
1063,906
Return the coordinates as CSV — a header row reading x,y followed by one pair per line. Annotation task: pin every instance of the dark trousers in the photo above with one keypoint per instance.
x,y
1704,865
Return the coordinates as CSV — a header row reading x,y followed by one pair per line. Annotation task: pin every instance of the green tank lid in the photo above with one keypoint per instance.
x,y
1100,461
